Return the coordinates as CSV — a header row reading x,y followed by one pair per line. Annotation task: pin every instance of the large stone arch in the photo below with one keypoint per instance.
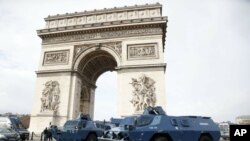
x,y
91,63
78,47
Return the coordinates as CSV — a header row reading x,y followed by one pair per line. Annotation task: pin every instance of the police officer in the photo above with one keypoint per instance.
x,y
50,134
45,134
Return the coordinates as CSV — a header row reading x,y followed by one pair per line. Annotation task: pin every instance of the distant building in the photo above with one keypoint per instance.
x,y
243,120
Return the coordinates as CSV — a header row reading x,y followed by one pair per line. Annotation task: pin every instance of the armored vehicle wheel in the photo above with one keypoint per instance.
x,y
160,138
205,138
91,137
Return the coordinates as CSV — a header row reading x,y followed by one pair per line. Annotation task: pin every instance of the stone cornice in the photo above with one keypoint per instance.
x,y
54,71
47,115
106,15
161,65
121,22
105,11
99,26
76,33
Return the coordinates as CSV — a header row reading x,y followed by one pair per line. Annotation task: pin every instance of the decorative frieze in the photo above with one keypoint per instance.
x,y
56,57
79,49
142,51
50,97
98,16
102,35
115,46
143,94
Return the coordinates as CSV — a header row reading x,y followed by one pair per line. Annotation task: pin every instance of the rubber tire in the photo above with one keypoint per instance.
x,y
91,137
160,138
205,138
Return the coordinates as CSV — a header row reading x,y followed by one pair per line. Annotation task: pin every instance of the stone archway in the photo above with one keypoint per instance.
x,y
78,47
91,61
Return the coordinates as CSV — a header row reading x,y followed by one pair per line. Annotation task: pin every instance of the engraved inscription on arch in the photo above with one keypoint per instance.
x,y
56,57
142,51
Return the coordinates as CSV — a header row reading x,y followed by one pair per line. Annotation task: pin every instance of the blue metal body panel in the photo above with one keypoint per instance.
x,y
77,130
185,129
154,123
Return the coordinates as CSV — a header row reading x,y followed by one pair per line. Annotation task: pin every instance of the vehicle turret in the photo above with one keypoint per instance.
x,y
154,111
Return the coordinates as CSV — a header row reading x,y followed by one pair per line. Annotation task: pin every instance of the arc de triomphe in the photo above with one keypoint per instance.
x,y
78,47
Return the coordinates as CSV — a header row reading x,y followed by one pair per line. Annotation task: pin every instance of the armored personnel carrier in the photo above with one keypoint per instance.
x,y
155,125
82,128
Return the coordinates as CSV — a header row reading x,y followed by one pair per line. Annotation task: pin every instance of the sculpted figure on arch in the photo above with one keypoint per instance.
x,y
50,96
143,93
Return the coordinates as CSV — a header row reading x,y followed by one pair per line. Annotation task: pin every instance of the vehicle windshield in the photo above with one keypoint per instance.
x,y
16,122
68,123
143,120
6,130
73,123
137,121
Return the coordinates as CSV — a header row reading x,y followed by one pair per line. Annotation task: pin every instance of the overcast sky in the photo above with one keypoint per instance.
x,y
207,55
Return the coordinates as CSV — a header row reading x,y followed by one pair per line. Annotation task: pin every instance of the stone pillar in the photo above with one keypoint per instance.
x,y
139,88
74,98
92,102
58,87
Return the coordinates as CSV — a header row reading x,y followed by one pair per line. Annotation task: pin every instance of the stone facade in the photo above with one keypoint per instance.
x,y
78,47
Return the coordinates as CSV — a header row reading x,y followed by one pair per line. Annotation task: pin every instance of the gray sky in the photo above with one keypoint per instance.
x,y
207,52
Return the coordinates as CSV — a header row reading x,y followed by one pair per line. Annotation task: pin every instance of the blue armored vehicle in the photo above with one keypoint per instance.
x,y
80,129
155,125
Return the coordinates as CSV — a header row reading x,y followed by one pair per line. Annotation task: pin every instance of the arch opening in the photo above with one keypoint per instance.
x,y
106,96
91,67
95,63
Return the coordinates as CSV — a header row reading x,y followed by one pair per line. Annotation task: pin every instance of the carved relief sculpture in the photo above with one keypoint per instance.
x,y
115,46
142,51
50,96
102,35
144,93
56,57
81,48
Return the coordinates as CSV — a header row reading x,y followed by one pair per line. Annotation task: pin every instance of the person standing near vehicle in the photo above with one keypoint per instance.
x,y
45,134
50,134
